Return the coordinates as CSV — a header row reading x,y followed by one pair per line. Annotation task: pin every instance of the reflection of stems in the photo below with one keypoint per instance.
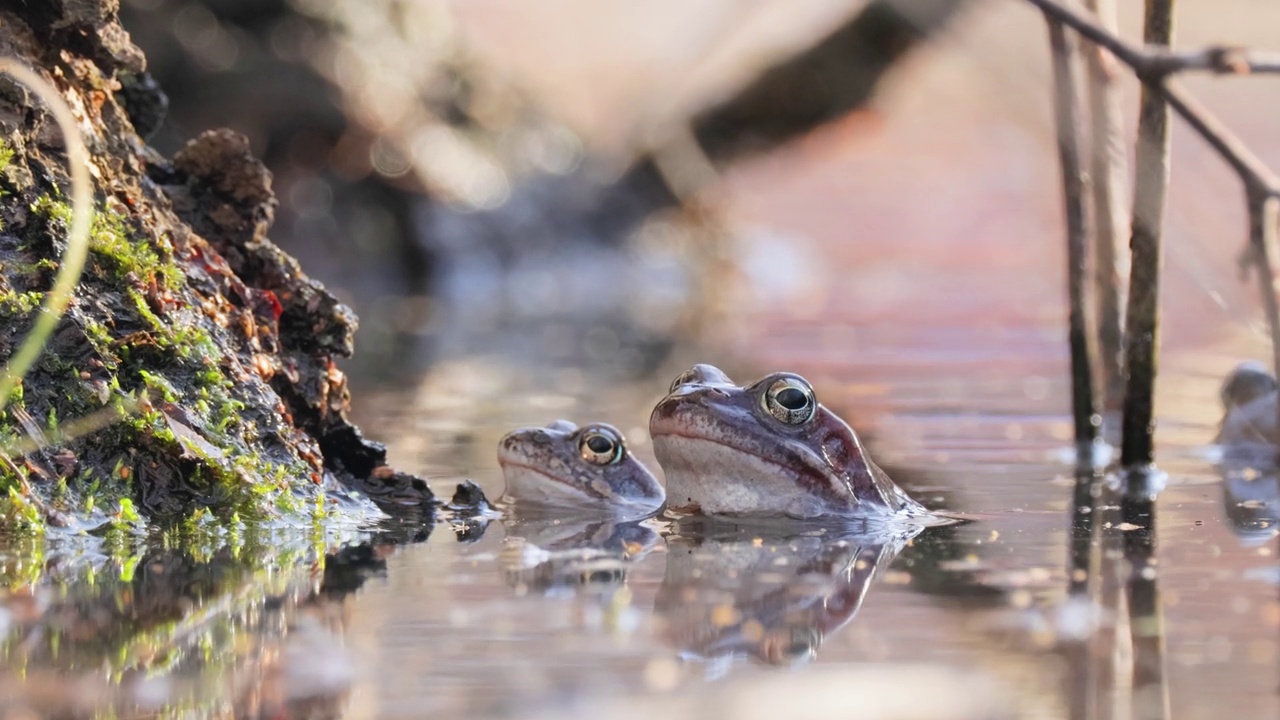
x,y
1112,639
1151,167
64,284
1082,525
1066,115
1146,625
1082,687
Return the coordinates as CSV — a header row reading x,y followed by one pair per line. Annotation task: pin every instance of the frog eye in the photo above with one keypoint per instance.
x,y
790,400
601,446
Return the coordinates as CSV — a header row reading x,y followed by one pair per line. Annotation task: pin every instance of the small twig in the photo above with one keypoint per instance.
x,y
1156,61
1066,115
1146,66
1220,60
1151,165
1254,173
1109,175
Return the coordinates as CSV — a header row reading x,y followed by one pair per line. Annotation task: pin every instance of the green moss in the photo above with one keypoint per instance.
x,y
159,384
99,335
6,156
115,245
20,513
14,304
176,359
17,396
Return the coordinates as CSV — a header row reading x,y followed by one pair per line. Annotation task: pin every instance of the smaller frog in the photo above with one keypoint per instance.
x,y
768,449
566,467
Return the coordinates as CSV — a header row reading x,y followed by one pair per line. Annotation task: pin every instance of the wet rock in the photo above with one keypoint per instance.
x,y
189,323
90,28
469,498
144,101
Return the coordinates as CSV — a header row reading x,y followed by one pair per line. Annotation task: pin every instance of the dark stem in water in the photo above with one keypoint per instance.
x,y
1146,620
1081,670
1066,106
1080,555
1142,317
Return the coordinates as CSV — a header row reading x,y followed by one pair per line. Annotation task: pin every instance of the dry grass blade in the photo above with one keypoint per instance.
x,y
64,285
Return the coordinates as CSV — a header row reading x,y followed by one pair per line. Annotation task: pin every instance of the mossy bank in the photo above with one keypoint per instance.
x,y
195,368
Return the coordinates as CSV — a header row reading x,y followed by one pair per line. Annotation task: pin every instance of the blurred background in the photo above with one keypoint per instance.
x,y
472,175
544,210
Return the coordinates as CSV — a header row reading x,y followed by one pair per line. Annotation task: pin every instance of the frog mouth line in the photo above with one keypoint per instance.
x,y
806,469
823,479
543,473
586,495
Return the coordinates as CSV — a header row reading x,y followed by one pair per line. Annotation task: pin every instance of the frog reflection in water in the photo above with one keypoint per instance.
x,y
566,468
577,495
773,599
1249,406
1249,466
766,450
555,556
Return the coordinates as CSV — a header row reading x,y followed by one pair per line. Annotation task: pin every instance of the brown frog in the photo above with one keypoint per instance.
x,y
768,449
566,467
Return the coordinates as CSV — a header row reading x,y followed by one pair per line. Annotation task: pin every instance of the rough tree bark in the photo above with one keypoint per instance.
x,y
185,306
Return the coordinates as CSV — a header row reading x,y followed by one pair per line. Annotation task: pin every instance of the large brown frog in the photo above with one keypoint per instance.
x,y
768,449
563,467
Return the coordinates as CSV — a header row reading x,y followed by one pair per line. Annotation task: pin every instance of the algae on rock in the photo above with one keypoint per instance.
x,y
214,347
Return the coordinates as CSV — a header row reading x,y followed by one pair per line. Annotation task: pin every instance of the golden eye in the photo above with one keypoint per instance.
x,y
789,399
600,446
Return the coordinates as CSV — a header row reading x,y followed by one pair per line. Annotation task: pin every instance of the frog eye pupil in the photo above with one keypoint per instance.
x,y
600,447
792,398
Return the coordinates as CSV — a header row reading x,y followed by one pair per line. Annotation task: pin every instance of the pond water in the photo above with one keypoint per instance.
x,y
990,619
456,628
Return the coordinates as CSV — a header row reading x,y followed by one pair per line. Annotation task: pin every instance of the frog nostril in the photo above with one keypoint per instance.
x,y
681,380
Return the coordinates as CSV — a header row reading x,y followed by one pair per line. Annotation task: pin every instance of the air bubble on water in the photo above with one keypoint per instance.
x,y
1077,618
